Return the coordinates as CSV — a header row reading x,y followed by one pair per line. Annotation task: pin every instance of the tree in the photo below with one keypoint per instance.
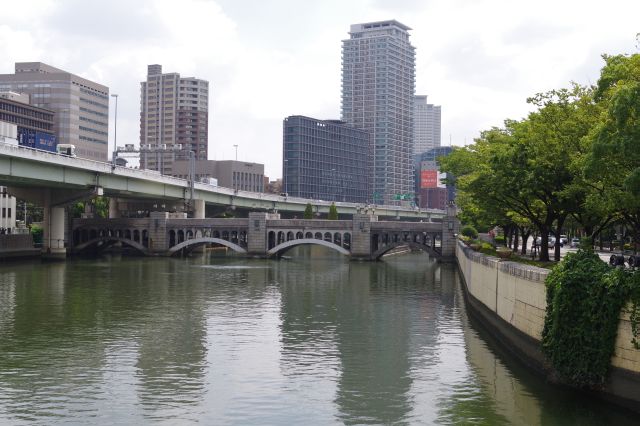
x,y
614,162
99,206
524,173
333,212
308,211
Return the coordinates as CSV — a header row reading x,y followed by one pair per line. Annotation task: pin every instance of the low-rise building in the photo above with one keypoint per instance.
x,y
240,175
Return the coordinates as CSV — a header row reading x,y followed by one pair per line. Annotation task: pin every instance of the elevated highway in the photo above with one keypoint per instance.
x,y
55,181
28,168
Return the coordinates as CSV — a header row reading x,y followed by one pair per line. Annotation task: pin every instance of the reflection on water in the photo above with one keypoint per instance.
x,y
314,339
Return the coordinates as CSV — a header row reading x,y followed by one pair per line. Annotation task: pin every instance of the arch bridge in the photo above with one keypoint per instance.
x,y
264,235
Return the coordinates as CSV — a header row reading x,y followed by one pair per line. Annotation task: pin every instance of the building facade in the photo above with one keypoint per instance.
x,y
240,175
174,114
427,119
81,106
325,160
378,85
15,109
432,191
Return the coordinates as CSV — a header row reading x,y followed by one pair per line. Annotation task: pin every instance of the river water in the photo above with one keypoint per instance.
x,y
313,339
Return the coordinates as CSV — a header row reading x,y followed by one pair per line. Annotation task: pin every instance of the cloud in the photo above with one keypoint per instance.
x,y
266,60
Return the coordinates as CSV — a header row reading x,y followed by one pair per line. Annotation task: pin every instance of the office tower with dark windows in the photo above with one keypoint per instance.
x,y
426,125
80,106
378,84
433,188
325,160
174,113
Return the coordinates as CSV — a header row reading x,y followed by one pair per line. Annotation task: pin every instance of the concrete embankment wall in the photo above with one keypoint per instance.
x,y
17,245
510,299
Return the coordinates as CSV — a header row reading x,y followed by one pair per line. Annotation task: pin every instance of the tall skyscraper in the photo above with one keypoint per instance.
x,y
426,125
174,115
81,106
378,84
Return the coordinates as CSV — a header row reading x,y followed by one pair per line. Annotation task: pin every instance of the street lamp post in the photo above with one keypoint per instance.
x,y
115,132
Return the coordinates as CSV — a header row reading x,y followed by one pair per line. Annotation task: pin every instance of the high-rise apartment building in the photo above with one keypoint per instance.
x,y
325,159
378,84
174,113
81,106
426,125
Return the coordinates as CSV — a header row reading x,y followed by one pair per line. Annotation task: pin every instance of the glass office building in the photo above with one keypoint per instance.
x,y
325,160
429,183
378,85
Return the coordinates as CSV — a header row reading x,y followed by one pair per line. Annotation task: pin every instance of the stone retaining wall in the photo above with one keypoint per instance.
x,y
511,298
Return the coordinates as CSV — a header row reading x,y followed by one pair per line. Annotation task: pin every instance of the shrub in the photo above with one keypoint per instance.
x,y
499,239
584,299
333,212
37,233
469,231
308,211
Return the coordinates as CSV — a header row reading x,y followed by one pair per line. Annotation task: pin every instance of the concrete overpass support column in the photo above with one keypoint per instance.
x,y
450,229
53,246
361,236
198,209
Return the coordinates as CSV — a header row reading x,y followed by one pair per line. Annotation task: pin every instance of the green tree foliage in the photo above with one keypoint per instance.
x,y
615,158
469,231
527,173
333,212
37,234
99,206
308,211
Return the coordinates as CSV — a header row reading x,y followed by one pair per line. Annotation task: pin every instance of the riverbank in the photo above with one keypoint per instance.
x,y
510,300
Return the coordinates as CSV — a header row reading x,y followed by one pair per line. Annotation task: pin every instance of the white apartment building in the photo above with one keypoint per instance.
x,y
427,120
378,85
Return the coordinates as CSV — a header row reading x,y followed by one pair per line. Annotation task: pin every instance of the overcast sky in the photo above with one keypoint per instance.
x,y
268,59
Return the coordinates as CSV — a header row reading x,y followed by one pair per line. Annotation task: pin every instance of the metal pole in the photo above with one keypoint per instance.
x,y
236,146
115,131
284,176
192,176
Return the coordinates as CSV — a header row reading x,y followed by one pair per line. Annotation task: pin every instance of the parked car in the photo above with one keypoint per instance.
x,y
564,239
575,242
552,241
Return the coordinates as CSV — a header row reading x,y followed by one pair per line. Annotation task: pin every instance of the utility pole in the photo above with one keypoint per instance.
x,y
115,132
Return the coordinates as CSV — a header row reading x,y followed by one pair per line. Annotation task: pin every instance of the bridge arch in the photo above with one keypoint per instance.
x,y
111,240
281,248
204,240
417,246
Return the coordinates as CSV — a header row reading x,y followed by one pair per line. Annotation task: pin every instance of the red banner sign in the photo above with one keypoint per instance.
x,y
428,179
